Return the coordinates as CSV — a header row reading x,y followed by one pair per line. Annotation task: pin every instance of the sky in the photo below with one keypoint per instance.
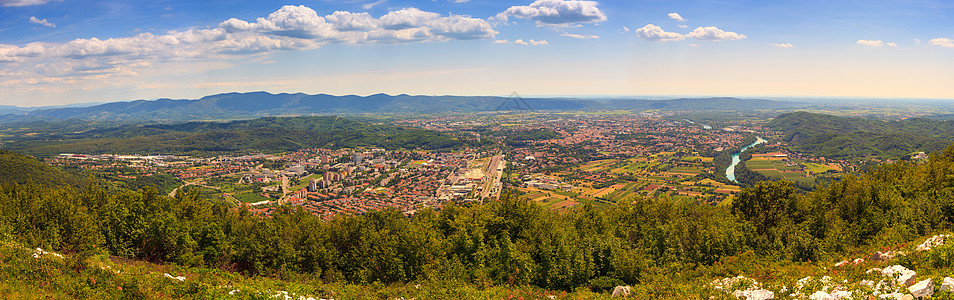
x,y
67,51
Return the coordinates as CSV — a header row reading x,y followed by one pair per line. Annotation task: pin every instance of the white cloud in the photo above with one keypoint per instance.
x,y
871,43
712,33
556,12
943,42
43,22
655,33
917,41
890,44
407,18
371,5
625,29
676,17
782,45
683,26
289,28
531,42
21,3
580,36
348,21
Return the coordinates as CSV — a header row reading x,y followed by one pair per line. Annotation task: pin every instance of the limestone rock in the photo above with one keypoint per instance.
x,y
948,284
621,291
924,288
907,278
761,294
892,270
841,294
820,295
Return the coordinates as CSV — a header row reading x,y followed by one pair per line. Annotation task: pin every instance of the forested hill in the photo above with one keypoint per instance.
x,y
259,135
22,169
259,104
843,137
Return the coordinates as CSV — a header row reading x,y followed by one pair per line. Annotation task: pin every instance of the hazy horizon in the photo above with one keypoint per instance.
x,y
64,52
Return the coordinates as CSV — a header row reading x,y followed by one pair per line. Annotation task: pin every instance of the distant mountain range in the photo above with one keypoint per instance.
x,y
259,104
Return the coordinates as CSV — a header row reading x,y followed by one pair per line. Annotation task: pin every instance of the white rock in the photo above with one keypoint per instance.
x,y
179,278
841,263
924,288
841,294
621,291
858,261
873,270
907,278
819,295
868,283
894,295
892,270
948,284
761,294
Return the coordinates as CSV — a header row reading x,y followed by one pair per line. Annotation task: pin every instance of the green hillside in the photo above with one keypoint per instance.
x,y
662,248
21,169
842,137
259,135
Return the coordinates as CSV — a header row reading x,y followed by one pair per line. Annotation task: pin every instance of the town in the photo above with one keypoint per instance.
x,y
558,160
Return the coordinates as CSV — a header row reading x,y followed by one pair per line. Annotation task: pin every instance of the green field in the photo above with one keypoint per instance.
x,y
759,164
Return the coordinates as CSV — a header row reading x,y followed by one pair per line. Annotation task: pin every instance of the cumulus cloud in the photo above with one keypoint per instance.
x,y
43,22
712,33
539,43
531,42
782,45
555,12
676,17
943,42
655,33
289,28
871,43
21,3
580,36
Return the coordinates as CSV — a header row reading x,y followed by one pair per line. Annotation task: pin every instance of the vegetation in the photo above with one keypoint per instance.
x,y
842,137
258,135
18,168
511,242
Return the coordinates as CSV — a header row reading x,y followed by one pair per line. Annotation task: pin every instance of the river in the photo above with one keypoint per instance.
x,y
730,171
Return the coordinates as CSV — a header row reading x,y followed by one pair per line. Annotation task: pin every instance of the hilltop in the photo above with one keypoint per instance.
x,y
268,134
22,169
259,104
844,137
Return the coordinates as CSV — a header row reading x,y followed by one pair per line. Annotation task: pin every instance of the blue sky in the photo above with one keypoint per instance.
x,y
59,52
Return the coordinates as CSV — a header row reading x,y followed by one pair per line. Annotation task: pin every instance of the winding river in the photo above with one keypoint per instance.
x,y
730,171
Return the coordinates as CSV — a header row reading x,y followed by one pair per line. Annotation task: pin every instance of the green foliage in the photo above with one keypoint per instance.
x,y
842,137
18,168
259,135
510,242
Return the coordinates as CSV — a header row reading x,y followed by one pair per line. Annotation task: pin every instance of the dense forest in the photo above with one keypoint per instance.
x,y
508,242
843,137
258,135
22,169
